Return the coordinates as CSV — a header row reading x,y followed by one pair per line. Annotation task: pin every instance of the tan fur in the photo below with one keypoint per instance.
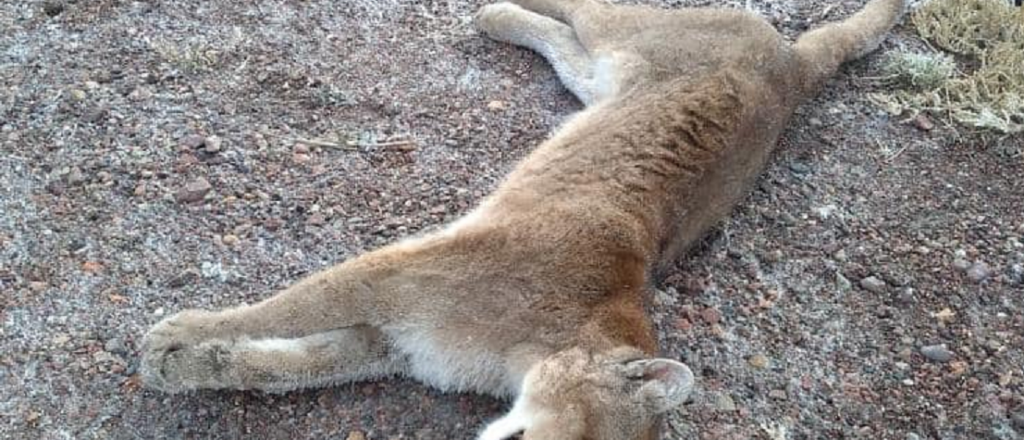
x,y
538,293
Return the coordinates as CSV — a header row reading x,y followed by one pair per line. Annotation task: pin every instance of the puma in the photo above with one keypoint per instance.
x,y
537,295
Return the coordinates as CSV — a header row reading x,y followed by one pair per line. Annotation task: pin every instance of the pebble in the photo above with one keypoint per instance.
x,y
843,283
725,403
873,284
61,339
192,142
1017,273
937,353
356,435
711,315
923,123
815,122
316,220
979,271
777,394
799,168
961,264
906,295
213,144
115,345
194,191
37,286
53,8
496,105
912,436
229,239
758,361
1018,420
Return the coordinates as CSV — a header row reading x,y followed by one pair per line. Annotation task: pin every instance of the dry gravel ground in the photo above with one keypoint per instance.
x,y
148,164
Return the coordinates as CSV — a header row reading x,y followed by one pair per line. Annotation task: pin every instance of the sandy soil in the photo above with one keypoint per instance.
x,y
148,163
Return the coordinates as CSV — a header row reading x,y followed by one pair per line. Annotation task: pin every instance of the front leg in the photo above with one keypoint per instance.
x,y
272,364
320,330
553,40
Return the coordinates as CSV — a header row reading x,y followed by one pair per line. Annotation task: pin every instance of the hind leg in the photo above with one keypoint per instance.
x,y
273,364
552,39
561,10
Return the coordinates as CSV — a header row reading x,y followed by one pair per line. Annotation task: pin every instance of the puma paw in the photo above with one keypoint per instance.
x,y
178,355
498,19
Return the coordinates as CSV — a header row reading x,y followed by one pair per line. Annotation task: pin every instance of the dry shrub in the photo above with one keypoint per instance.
x,y
990,33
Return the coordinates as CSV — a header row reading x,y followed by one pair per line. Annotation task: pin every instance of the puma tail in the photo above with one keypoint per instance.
x,y
824,49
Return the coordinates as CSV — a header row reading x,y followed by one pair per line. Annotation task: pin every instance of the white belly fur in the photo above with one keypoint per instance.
x,y
452,366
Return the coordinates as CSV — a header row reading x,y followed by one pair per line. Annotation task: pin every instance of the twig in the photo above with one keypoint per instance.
x,y
322,143
875,78
402,145
895,155
828,10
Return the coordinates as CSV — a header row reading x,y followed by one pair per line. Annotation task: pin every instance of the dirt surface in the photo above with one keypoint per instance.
x,y
149,163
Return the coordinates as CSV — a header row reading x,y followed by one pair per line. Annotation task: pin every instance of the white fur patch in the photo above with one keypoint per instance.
x,y
275,344
604,76
451,365
516,421
465,221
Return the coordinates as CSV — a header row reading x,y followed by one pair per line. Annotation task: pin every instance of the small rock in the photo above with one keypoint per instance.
x,y
665,297
815,122
53,8
843,283
923,123
316,220
711,315
906,295
229,239
300,148
912,436
213,144
873,284
37,286
684,324
496,105
1016,273
115,345
937,353
758,361
76,177
194,191
92,267
1018,420
799,168
961,264
61,339
355,435
192,142
777,394
725,403
300,158
979,271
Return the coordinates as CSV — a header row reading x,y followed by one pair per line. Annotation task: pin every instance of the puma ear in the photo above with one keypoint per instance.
x,y
666,383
